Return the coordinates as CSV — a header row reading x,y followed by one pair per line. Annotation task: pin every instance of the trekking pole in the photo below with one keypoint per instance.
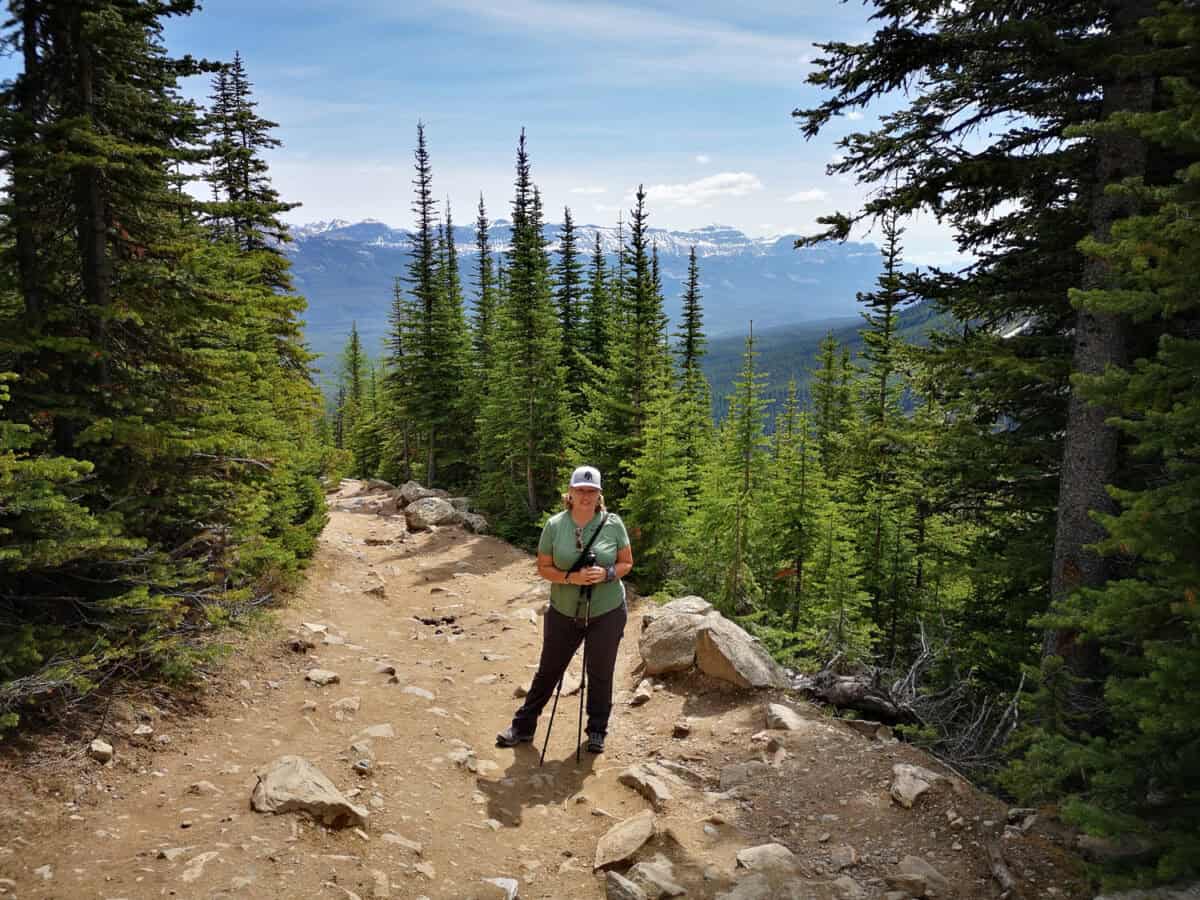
x,y
587,619
550,724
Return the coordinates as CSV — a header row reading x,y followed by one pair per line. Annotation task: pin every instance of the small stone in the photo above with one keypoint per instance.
x,y
322,677
741,773
400,841
203,789
363,766
509,887
490,678
682,728
915,865
427,869
346,708
641,694
418,692
170,854
46,873
195,868
381,887
843,857
384,730
101,751
784,718
910,782
385,669
143,731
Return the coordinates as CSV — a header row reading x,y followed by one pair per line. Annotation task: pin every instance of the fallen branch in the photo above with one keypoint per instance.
x,y
1002,874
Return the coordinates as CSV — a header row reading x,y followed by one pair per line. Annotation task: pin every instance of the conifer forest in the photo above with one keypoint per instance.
x,y
1000,527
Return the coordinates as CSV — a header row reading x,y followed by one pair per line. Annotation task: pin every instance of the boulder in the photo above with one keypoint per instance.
x,y
910,782
649,781
669,643
618,887
766,857
462,504
410,492
935,880
752,887
429,512
725,651
696,606
623,840
293,784
475,523
656,879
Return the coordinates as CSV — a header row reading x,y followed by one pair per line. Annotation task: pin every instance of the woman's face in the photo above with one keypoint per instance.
x,y
584,498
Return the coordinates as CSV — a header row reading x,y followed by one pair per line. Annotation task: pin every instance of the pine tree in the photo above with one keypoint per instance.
x,y
167,370
568,274
695,397
598,310
523,424
483,321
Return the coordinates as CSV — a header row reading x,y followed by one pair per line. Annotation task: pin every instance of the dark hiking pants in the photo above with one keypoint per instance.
x,y
562,638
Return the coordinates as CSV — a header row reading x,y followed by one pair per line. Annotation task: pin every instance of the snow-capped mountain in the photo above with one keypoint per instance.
x,y
348,272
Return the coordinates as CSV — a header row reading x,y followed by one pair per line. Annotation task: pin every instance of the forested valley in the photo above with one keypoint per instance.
x,y
996,529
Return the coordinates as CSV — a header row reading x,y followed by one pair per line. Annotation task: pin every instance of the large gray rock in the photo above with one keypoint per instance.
x,y
430,511
656,878
910,782
692,605
935,880
766,857
474,523
293,784
410,492
623,840
618,887
649,781
669,643
726,651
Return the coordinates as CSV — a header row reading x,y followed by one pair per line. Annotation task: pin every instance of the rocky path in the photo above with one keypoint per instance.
x,y
429,635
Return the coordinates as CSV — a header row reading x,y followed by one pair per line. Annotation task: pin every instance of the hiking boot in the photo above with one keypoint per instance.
x,y
509,737
595,742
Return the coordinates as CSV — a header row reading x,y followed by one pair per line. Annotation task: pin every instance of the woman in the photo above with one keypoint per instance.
x,y
570,620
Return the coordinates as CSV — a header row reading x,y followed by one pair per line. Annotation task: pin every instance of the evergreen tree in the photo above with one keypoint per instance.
x,y
524,420
483,321
695,397
568,274
167,370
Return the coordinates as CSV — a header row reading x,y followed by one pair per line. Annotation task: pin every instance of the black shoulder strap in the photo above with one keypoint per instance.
x,y
588,545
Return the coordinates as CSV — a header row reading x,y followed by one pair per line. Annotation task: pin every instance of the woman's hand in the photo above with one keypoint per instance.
x,y
590,575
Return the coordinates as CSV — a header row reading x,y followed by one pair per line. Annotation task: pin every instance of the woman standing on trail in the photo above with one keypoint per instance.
x,y
564,559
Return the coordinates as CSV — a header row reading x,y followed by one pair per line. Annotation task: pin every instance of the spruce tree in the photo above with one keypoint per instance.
x,y
483,319
695,397
523,425
568,295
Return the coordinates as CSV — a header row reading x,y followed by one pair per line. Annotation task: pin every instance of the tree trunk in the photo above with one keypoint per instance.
x,y
1090,450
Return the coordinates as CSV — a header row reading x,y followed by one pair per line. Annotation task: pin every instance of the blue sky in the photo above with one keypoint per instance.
x,y
693,100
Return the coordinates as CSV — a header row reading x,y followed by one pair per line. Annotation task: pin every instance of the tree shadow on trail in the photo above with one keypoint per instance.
x,y
525,785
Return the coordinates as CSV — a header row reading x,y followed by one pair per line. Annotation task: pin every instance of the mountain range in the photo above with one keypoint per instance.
x,y
347,271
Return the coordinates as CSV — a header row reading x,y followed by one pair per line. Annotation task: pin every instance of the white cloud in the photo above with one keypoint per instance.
x,y
705,190
811,196
588,190
854,115
703,159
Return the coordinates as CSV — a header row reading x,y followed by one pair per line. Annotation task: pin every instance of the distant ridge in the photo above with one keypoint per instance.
x,y
347,271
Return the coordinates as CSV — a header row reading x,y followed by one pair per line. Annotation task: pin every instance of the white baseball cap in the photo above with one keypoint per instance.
x,y
586,476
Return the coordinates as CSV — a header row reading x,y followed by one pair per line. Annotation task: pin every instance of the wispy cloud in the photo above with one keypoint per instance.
x,y
810,196
705,190
683,43
854,115
588,190
703,159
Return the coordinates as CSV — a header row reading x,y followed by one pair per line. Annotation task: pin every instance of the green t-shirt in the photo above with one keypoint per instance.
x,y
558,541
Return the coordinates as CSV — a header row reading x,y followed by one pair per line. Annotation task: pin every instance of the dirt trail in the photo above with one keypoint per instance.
x,y
143,826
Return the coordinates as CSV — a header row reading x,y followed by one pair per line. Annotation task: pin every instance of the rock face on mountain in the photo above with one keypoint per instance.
x,y
688,631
